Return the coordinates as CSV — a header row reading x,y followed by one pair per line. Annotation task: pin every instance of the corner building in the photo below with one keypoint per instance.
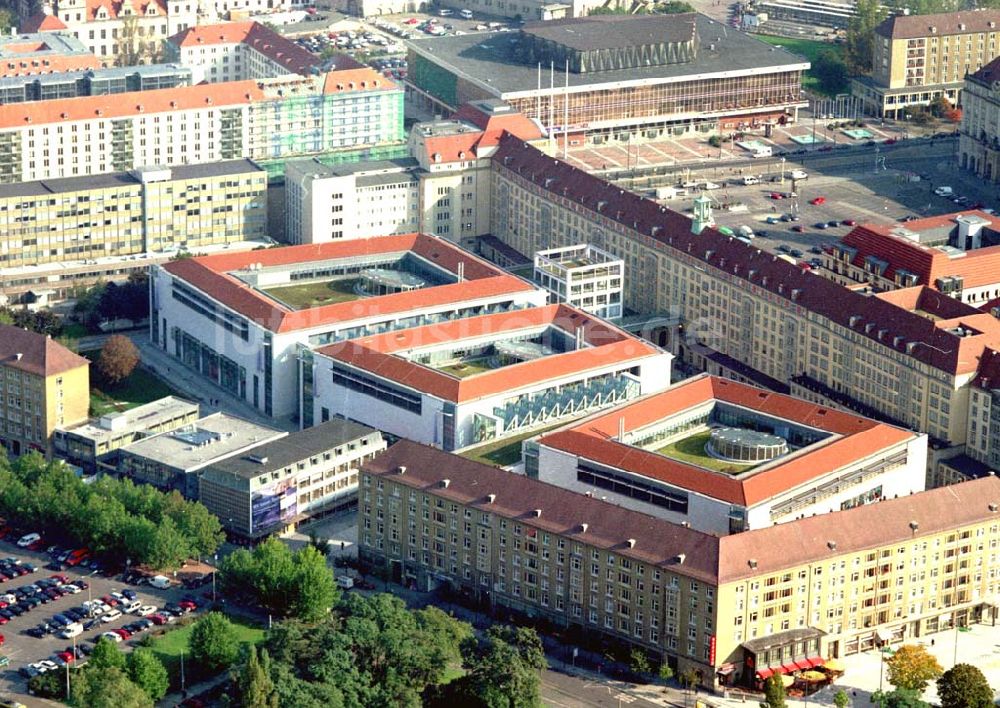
x,y
816,588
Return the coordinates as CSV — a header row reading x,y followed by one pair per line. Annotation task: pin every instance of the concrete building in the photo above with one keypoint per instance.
x,y
918,58
905,356
583,276
244,320
37,53
43,386
92,82
268,119
724,457
59,234
979,134
237,51
955,254
734,609
467,382
93,445
275,486
176,458
628,77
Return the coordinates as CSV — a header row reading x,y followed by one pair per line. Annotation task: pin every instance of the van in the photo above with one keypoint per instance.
x,y
161,582
466,14
131,606
345,582
940,191
751,179
446,12
74,629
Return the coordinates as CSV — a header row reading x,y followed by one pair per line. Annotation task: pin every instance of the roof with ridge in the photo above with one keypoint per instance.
x,y
36,353
939,24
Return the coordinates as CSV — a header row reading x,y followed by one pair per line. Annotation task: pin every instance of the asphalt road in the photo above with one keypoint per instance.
x,y
23,649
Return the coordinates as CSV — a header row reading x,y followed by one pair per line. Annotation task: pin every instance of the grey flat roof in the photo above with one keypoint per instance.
x,y
122,179
293,448
136,419
488,60
614,31
346,169
205,441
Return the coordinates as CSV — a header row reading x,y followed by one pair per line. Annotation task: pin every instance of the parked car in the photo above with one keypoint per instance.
x,y
817,201
849,222
113,636
146,610
110,616
28,539
821,225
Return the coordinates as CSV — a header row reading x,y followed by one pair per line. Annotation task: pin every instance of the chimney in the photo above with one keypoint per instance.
x,y
993,508
753,563
832,545
914,526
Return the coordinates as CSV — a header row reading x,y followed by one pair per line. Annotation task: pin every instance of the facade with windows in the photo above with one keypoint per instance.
x,y
979,136
239,320
734,609
583,276
654,455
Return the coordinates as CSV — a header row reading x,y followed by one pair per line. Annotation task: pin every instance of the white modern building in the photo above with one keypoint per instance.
x,y
584,276
462,383
725,457
247,322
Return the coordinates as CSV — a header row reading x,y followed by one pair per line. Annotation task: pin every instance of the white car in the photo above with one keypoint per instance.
x,y
110,616
113,636
47,665
711,185
27,540
70,588
799,174
10,598
146,610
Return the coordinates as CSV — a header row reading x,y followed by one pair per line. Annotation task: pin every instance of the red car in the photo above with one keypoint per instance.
x,y
798,228
2,640
187,605
849,222
777,195
109,601
158,619
60,577
66,656
817,201
123,633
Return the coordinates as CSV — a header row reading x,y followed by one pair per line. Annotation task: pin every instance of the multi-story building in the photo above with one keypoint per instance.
x,y
979,134
619,78
735,609
956,254
273,487
92,82
43,385
442,190
236,51
94,444
583,276
37,53
469,381
248,321
174,459
906,355
266,119
919,58
724,457
59,234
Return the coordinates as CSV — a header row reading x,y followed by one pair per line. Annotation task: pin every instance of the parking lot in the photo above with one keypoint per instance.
x,y
22,649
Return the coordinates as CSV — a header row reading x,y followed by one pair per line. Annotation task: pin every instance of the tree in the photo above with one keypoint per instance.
x,y
312,588
51,684
107,688
841,699
148,673
504,667
320,543
964,686
638,662
774,692
118,359
860,40
831,71
912,667
254,681
900,698
6,20
213,642
674,7
106,655
665,673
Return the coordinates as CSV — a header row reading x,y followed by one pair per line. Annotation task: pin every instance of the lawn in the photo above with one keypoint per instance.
x,y
464,369
169,646
692,450
506,451
306,295
808,48
140,387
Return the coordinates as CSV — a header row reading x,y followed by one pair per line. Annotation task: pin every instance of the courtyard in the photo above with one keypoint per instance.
x,y
315,294
692,451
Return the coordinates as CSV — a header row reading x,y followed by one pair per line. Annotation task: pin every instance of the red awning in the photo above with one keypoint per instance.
x,y
803,664
765,673
815,661
789,668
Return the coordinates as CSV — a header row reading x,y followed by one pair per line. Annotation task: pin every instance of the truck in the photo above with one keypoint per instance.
x,y
751,179
345,582
160,581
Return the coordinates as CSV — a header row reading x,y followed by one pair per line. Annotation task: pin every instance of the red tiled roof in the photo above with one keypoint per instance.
x,y
903,331
939,24
114,8
42,22
493,126
377,354
628,533
989,73
210,274
36,353
593,439
362,79
29,65
120,105
885,523
261,38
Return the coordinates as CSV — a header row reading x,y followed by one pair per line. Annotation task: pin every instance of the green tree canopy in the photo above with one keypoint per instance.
x,y
504,667
106,655
256,687
964,686
860,43
148,673
213,642
830,70
107,687
912,667
774,692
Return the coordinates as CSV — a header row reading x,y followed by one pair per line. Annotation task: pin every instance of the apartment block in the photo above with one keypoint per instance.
x,y
43,385
268,119
92,82
979,135
37,53
583,276
735,609
59,234
275,486
93,445
905,356
919,58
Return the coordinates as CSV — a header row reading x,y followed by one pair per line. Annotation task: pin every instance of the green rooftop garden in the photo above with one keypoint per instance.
x,y
692,451
306,295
